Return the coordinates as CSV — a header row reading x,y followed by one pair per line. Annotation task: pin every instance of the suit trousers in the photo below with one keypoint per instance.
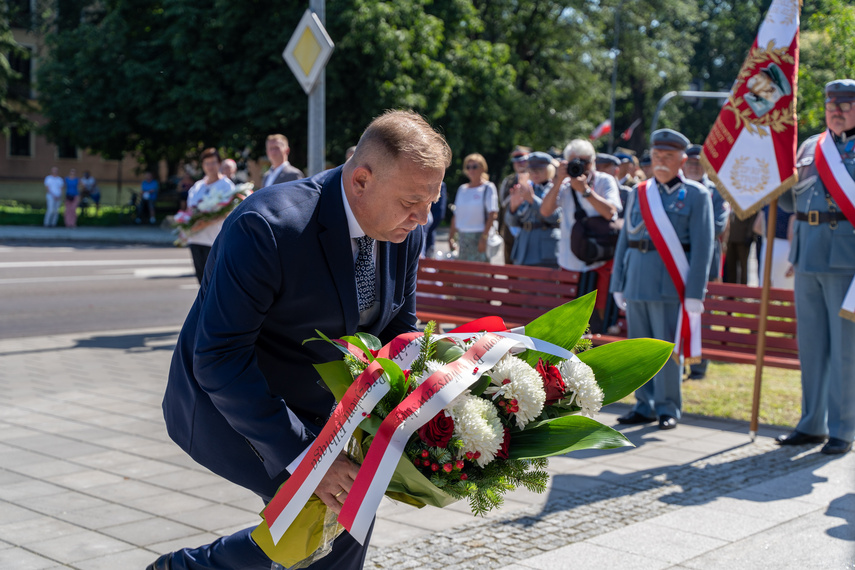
x,y
826,355
661,395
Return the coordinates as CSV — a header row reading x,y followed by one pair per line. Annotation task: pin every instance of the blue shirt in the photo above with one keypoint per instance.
x,y
71,186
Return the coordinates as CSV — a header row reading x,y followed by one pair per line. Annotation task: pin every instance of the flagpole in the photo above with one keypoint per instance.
x,y
764,316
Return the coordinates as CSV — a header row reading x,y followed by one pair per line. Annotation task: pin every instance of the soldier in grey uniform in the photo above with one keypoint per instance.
x,y
823,253
721,212
642,284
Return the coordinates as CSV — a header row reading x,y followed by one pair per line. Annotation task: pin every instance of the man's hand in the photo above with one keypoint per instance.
x,y
336,484
620,300
580,183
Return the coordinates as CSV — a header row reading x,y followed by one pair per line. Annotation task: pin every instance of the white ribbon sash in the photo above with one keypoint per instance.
x,y
688,338
841,186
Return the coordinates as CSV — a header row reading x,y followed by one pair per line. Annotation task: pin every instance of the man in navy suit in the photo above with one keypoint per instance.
x,y
243,399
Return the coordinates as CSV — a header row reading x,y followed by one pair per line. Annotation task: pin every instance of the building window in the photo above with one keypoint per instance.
x,y
22,86
20,144
64,149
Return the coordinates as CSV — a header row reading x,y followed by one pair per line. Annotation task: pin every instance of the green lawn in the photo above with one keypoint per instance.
x,y
728,389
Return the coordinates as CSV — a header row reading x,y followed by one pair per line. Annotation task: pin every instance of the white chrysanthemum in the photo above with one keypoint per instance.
x,y
525,388
477,424
431,366
582,386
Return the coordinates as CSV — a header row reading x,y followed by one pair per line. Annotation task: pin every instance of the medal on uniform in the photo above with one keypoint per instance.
x,y
841,186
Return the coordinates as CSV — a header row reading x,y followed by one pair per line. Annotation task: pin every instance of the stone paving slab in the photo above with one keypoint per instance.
x,y
89,480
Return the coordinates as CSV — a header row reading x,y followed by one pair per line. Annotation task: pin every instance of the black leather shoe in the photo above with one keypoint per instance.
x,y
799,438
667,422
161,563
836,446
633,418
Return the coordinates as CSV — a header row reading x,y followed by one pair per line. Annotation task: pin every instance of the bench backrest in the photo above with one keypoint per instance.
x,y
468,290
733,314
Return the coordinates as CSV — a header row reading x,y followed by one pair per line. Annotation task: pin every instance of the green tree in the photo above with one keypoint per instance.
x,y
14,102
827,53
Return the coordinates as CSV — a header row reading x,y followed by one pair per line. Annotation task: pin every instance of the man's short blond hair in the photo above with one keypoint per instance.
x,y
402,134
280,139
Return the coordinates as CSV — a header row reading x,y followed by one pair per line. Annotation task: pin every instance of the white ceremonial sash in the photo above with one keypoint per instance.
x,y
688,338
841,186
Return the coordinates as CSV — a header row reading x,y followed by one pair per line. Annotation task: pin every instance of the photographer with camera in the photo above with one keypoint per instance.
x,y
592,199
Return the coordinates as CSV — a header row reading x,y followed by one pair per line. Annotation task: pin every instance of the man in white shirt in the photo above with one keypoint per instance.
x,y
281,170
54,185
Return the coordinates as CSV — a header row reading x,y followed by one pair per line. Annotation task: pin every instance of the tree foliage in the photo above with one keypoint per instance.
x,y
14,107
164,78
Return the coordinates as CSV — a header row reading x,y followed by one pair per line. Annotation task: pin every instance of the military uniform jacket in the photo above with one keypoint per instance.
x,y
825,247
641,275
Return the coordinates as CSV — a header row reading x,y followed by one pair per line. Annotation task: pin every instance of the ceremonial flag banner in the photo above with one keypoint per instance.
x,y
602,130
750,152
435,418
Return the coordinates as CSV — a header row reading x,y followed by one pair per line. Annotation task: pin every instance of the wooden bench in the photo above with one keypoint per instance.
x,y
732,318
456,292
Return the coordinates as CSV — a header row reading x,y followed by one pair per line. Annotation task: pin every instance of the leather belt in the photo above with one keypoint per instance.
x,y
528,226
645,245
815,217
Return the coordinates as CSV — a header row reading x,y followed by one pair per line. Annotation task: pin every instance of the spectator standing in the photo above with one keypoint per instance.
x,y
608,164
740,236
537,241
281,171
782,270
228,168
72,198
204,232
90,190
476,207
598,195
437,215
643,285
150,189
184,190
519,162
54,184
823,255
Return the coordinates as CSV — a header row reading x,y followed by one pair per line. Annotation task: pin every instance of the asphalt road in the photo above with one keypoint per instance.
x,y
60,289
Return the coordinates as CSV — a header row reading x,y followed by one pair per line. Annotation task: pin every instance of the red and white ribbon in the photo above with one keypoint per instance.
x,y
365,392
841,186
688,337
429,399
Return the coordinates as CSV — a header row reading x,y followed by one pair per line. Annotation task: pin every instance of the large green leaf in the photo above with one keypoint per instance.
x,y
563,326
622,367
562,435
336,376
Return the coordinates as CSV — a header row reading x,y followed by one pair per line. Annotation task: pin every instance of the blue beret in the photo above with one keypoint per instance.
x,y
603,158
841,88
668,139
539,158
694,150
623,157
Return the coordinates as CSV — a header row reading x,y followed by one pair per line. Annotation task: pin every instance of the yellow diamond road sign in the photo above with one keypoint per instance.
x,y
308,50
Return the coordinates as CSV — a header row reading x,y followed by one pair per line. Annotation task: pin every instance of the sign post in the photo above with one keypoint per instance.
x,y
307,54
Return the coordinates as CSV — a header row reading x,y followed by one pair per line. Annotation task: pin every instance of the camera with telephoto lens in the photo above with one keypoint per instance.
x,y
577,167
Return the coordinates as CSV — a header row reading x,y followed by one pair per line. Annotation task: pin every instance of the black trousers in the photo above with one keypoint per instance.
x,y
200,258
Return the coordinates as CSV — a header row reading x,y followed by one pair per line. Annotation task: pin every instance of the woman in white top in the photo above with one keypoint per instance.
x,y
204,232
476,207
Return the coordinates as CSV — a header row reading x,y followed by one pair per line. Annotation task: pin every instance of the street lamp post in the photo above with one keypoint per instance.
x,y
615,52
317,111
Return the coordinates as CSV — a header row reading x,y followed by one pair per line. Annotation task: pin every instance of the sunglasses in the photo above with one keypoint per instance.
x,y
473,166
842,106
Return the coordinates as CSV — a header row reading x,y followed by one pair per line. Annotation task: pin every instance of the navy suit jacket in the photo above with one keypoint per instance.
x,y
243,398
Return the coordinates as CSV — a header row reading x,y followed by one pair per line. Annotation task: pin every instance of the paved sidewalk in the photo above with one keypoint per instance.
x,y
142,234
90,480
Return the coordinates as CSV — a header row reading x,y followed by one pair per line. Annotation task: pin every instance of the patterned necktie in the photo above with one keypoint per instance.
x,y
365,273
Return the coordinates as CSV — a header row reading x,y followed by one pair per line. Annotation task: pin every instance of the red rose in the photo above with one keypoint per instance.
x,y
506,441
553,383
438,431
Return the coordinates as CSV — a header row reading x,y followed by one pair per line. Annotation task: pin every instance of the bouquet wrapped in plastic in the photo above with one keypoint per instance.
x,y
472,414
216,204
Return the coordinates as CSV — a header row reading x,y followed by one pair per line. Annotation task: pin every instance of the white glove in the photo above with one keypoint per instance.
x,y
620,300
694,306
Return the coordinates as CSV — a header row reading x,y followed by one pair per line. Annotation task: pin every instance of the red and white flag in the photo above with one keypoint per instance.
x,y
602,130
627,134
750,152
